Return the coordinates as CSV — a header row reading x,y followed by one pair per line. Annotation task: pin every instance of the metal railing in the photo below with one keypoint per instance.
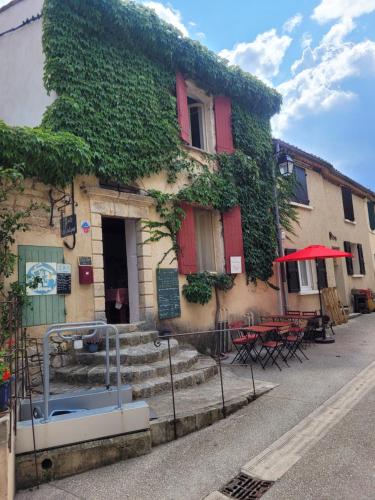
x,y
61,330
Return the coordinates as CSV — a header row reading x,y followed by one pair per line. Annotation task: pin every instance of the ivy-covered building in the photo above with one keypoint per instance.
x,y
153,158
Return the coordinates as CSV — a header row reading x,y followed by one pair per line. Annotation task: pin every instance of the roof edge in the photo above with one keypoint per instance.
x,y
9,5
323,164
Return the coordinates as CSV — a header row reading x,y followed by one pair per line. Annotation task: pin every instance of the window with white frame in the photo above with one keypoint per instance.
x,y
307,275
201,117
204,240
197,124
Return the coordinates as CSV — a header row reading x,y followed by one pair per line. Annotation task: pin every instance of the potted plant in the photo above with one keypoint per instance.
x,y
4,383
94,343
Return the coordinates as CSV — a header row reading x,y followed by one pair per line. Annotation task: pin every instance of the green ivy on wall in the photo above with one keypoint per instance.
x,y
51,157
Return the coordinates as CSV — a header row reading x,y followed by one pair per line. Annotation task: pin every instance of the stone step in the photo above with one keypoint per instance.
x,y
135,338
133,327
131,355
204,369
78,374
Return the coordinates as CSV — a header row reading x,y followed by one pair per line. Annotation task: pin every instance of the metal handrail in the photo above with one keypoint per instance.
x,y
74,327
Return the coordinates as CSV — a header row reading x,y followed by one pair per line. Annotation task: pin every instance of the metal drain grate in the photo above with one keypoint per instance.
x,y
244,487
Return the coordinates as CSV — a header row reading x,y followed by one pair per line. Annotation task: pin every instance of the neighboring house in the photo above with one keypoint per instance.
x,y
335,211
111,235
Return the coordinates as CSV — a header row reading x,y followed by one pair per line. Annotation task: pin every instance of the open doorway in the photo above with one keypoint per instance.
x,y
115,270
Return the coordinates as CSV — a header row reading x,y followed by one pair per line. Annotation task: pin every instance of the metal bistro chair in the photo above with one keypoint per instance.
x,y
273,347
242,342
294,342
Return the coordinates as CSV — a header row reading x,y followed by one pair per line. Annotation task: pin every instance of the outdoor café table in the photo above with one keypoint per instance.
x,y
282,327
258,330
276,325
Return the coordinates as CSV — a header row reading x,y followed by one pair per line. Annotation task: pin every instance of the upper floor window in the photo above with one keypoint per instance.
x,y
205,121
197,123
300,191
371,214
355,265
347,201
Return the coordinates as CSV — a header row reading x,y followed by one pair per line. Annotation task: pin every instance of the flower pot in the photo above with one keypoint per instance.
x,y
4,396
92,347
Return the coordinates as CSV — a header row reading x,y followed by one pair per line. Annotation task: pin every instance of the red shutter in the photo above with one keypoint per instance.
x,y
182,108
223,124
187,262
233,242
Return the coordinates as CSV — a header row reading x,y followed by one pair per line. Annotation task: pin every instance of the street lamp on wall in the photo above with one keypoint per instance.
x,y
285,164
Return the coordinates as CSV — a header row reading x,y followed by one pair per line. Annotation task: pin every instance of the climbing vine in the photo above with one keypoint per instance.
x,y
198,288
214,189
48,156
12,294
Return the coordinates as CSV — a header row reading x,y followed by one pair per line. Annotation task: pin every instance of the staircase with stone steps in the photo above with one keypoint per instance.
x,y
143,365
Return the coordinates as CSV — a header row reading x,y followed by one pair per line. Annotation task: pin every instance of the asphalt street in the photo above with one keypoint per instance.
x,y
340,466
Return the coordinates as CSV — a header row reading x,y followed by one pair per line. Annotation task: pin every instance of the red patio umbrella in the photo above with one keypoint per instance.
x,y
315,252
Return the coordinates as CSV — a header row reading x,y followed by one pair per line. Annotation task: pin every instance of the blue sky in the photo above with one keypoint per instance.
x,y
320,54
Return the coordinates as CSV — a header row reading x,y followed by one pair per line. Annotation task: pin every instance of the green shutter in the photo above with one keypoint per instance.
x,y
50,308
292,273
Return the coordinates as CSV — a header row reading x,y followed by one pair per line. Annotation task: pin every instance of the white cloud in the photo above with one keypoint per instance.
x,y
319,74
169,15
318,88
329,10
261,57
335,36
292,23
306,40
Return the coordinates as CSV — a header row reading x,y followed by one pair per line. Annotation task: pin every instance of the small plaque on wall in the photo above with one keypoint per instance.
x,y
235,265
168,293
84,261
64,279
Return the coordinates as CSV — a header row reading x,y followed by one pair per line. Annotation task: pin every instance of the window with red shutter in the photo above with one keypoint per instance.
x,y
223,125
233,241
187,262
182,108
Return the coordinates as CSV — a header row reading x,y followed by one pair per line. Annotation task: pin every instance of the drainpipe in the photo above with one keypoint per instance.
x,y
283,305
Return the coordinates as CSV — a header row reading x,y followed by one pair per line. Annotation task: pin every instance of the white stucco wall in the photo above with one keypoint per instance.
x,y
23,98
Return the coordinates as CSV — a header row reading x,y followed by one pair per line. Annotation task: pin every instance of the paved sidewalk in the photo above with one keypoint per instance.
x,y
191,467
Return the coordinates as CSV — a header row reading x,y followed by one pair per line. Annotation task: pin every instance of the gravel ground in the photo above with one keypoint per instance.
x,y
193,466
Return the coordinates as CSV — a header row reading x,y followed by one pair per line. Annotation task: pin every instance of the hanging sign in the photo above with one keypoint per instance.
x,y
168,293
64,279
68,225
46,272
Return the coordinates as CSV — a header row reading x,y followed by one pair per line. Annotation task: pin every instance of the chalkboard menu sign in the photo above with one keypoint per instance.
x,y
68,225
168,293
64,279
